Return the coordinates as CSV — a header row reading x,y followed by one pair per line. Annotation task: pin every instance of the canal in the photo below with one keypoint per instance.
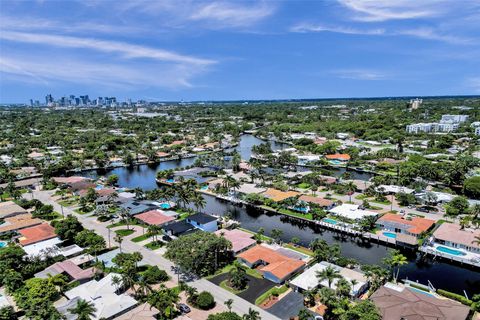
x,y
442,275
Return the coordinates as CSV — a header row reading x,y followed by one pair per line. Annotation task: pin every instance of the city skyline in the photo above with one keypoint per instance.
x,y
204,50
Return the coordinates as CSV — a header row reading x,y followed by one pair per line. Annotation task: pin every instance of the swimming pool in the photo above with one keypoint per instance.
x,y
421,291
335,162
3,244
165,205
451,251
204,188
392,235
99,187
170,180
301,209
331,221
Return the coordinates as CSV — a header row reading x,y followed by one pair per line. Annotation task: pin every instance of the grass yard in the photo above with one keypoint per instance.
x,y
273,291
154,245
123,223
124,232
300,249
141,238
224,285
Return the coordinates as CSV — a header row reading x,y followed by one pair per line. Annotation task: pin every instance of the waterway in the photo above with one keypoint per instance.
x,y
442,275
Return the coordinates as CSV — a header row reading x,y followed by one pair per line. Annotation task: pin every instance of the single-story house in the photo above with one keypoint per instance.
x,y
273,265
411,226
320,202
36,234
154,217
178,228
452,235
43,248
278,195
395,302
203,222
240,240
9,209
393,189
342,157
308,280
68,268
351,211
18,222
107,257
104,297
135,207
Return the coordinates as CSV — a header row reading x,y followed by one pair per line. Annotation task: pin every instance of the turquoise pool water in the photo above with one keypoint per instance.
x,y
451,251
165,205
335,162
301,209
2,244
170,180
99,187
204,188
389,235
331,221
421,291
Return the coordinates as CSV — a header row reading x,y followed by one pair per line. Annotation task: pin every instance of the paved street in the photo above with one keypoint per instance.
x,y
240,305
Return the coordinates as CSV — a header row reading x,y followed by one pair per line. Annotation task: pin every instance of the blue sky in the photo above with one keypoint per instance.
x,y
229,50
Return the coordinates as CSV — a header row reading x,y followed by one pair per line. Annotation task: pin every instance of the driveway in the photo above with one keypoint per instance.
x,y
287,307
255,286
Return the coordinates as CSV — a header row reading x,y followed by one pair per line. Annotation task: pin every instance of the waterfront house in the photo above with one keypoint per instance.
x,y
393,189
155,217
278,195
241,240
452,235
135,207
273,265
351,211
104,296
397,302
320,202
338,158
18,222
203,222
414,226
308,280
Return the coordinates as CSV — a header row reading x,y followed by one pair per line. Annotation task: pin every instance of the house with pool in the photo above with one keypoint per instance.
x,y
393,225
451,240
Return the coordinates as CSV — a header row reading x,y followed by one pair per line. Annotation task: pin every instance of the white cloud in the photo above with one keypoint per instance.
x,y
360,74
124,49
383,10
45,71
307,27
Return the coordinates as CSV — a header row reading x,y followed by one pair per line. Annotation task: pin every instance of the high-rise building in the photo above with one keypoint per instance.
x,y
48,99
415,103
31,102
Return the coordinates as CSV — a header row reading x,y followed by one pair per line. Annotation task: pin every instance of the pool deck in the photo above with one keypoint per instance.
x,y
470,258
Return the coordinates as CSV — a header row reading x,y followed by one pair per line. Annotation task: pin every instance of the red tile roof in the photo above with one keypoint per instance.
x,y
154,217
319,201
277,264
36,234
338,156
416,226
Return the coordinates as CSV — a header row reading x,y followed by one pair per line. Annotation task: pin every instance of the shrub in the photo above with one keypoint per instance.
x,y
455,296
205,301
154,275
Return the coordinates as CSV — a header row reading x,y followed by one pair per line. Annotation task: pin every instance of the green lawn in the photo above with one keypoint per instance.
x,y
79,211
303,185
272,291
224,285
141,238
300,249
124,232
251,272
154,245
123,223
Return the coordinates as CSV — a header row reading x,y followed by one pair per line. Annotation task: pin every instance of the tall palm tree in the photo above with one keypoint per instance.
x,y
329,274
228,303
395,260
119,239
199,201
351,188
154,230
84,310
252,315
124,216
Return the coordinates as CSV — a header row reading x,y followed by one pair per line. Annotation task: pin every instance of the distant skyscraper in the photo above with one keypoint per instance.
x,y
48,99
31,102
415,103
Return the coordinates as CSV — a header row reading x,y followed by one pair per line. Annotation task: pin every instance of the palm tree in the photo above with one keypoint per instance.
x,y
116,282
343,288
84,310
228,303
351,188
395,260
124,216
251,315
329,274
477,240
119,239
238,276
154,230
199,201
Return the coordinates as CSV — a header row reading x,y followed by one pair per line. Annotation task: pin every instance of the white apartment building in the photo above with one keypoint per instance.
x,y
454,118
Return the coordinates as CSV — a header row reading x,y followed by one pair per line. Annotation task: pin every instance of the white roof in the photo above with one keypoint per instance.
x,y
102,295
39,248
351,211
308,280
250,188
394,189
70,250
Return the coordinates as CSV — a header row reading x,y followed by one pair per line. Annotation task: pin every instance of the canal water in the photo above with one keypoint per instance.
x,y
442,275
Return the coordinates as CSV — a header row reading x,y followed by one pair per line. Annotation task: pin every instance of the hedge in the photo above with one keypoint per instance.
x,y
455,296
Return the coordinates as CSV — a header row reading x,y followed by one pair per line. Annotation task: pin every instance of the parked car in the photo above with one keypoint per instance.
x,y
166,238
183,308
